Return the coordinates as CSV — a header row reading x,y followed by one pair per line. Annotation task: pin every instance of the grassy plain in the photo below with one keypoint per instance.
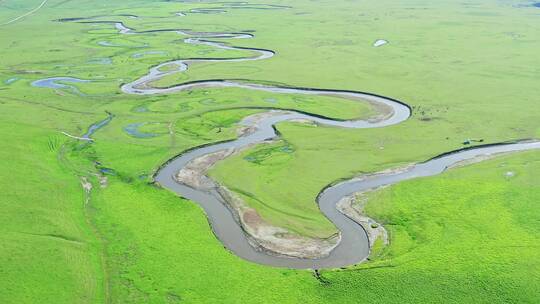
x,y
458,81
468,69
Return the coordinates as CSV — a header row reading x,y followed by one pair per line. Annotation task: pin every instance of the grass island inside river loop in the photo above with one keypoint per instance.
x,y
308,151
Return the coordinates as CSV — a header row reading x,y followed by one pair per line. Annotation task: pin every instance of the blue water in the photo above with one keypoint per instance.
x,y
142,54
58,83
11,80
107,171
98,125
133,130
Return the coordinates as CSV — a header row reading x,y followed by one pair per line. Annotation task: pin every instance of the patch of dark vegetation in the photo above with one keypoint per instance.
x,y
56,236
367,268
73,19
63,237
426,113
69,19
53,143
471,141
126,179
260,156
318,275
104,170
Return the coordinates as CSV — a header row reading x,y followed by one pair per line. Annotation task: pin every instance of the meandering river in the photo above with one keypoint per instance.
x,y
354,244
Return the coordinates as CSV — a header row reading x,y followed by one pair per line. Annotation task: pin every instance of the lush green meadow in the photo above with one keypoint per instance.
x,y
469,70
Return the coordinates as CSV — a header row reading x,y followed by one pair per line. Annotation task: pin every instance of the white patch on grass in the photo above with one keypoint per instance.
x,y
380,42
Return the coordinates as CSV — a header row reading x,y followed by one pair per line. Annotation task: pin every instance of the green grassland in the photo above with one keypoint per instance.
x,y
469,70
460,75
